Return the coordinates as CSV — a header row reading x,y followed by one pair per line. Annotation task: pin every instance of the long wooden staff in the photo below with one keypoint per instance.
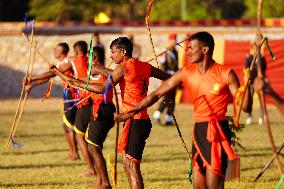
x,y
22,100
167,49
269,163
25,98
156,60
247,83
116,135
261,94
149,30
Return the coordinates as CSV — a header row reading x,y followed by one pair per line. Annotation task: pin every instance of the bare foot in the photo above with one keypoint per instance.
x,y
72,158
88,174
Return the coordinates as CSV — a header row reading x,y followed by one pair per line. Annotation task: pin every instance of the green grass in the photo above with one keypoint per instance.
x,y
40,162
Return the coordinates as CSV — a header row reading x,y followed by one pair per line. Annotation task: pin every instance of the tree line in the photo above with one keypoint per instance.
x,y
85,10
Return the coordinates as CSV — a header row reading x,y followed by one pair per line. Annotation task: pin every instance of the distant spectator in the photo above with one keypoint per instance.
x,y
248,62
97,43
169,64
136,48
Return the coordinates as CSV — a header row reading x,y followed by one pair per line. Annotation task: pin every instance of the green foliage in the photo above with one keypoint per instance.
x,y
62,10
198,9
85,10
171,10
234,130
271,9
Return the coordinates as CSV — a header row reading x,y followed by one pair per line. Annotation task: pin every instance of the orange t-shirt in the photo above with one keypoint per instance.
x,y
134,86
209,92
80,68
99,98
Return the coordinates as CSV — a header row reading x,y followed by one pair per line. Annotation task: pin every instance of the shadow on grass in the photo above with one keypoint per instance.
x,y
39,166
167,179
40,135
14,79
268,149
33,152
163,158
257,149
256,154
30,112
157,145
252,168
16,185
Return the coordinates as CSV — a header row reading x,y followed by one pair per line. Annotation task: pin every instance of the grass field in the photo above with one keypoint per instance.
x,y
40,162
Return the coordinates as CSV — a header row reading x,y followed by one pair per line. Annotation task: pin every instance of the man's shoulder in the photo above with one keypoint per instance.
x,y
189,67
135,61
222,67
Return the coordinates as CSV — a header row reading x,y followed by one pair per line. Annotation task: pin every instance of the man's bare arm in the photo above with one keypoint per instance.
x,y
159,74
277,100
117,75
234,85
32,84
260,84
43,76
98,88
47,75
99,69
149,100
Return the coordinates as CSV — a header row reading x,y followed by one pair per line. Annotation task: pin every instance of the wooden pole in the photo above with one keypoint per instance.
x,y
23,97
261,93
116,136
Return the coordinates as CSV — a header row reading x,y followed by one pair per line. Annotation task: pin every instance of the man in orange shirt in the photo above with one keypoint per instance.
x,y
79,66
211,88
61,54
133,79
102,120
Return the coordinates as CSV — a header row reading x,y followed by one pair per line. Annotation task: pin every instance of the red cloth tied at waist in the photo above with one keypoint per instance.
x,y
218,140
96,106
124,137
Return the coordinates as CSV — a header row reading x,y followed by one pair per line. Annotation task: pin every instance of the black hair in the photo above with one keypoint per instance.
x,y
123,43
98,54
82,46
205,38
64,46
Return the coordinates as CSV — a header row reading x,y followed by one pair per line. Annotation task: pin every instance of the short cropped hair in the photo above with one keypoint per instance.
x,y
205,38
98,54
82,46
123,43
64,46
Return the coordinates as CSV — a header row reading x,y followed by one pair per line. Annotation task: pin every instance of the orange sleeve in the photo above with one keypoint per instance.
x,y
225,75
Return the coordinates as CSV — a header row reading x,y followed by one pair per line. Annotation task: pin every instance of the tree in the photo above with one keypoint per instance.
x,y
198,9
132,15
271,9
85,10
62,10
